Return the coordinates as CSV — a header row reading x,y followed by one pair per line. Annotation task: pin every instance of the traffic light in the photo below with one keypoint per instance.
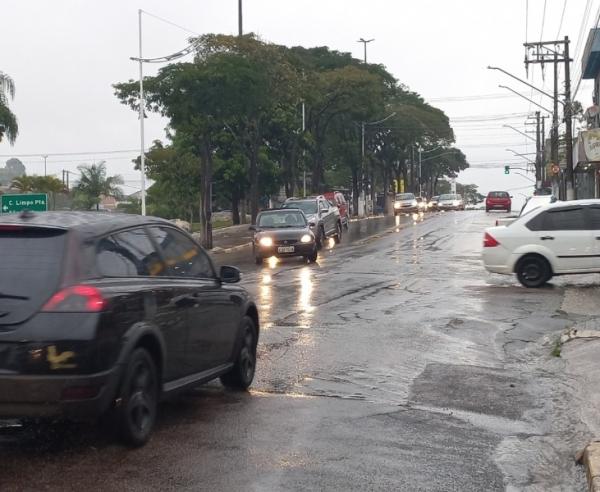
x,y
506,169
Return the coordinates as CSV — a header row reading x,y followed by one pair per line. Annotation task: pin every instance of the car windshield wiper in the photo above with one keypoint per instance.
x,y
11,296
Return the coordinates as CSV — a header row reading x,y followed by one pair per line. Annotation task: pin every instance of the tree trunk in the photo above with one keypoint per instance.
x,y
355,192
235,207
206,197
253,184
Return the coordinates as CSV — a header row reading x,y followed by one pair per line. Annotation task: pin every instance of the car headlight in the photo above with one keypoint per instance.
x,y
397,205
456,203
307,238
266,242
414,203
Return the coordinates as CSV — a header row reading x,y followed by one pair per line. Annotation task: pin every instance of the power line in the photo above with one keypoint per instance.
x,y
562,16
170,22
472,98
543,22
60,154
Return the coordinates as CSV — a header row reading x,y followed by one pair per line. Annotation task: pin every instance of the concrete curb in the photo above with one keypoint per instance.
x,y
591,461
239,247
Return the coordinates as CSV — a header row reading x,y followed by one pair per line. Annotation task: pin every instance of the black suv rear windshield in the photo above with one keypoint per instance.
x,y
307,206
498,194
30,267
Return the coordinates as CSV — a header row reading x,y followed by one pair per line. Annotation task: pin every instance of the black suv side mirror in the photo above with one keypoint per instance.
x,y
229,275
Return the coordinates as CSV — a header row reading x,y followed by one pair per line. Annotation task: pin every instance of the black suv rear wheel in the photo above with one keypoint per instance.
x,y
139,399
241,375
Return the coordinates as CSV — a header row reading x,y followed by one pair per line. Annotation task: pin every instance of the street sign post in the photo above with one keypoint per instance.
x,y
11,204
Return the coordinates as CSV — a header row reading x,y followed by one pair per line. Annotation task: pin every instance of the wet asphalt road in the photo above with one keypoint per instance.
x,y
394,363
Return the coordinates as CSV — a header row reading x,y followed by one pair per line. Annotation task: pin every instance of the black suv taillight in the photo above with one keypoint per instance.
x,y
76,299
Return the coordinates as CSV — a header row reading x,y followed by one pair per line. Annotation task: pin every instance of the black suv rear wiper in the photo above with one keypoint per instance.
x,y
10,296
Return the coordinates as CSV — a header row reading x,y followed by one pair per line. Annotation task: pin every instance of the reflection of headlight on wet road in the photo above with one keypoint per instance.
x,y
331,243
266,242
307,238
272,261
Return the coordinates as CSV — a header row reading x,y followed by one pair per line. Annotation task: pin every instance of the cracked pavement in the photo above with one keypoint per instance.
x,y
394,363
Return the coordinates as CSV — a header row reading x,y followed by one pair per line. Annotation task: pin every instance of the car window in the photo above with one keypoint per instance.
x,y
30,270
405,196
282,219
183,258
593,217
309,207
323,205
498,194
564,219
128,254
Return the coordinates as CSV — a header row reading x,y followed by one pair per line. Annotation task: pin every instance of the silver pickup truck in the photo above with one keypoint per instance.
x,y
531,203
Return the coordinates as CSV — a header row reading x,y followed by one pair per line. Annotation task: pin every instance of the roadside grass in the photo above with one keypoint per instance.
x,y
557,348
216,224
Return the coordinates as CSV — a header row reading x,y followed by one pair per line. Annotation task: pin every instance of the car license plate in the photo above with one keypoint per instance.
x,y
285,249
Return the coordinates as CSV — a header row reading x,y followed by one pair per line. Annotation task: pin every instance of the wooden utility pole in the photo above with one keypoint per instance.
x,y
544,52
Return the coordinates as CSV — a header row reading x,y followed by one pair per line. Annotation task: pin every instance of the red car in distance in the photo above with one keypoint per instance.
x,y
338,199
498,200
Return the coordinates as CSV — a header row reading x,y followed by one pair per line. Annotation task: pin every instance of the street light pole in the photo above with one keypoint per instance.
x,y
420,180
365,42
142,103
240,24
303,151
45,159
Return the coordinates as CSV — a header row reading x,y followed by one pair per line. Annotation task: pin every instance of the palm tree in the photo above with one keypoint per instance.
x,y
8,121
22,183
94,184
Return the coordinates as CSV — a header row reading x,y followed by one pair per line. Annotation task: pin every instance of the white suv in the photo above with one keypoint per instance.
x,y
556,239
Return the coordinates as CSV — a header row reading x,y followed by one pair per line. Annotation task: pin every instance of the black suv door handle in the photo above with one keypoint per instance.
x,y
544,238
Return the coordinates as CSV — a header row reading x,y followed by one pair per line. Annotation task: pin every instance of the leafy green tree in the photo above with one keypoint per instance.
x,y
9,127
93,184
22,183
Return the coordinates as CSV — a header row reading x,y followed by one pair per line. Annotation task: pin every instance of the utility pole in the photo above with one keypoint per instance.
x,y
240,23
141,116
571,192
538,151
362,145
45,161
549,52
543,152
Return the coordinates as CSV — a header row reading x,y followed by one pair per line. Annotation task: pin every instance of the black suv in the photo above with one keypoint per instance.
x,y
106,314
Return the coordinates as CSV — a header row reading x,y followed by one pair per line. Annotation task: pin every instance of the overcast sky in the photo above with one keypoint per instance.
x,y
64,55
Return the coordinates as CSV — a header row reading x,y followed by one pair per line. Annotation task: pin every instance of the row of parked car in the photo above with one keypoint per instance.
x,y
409,203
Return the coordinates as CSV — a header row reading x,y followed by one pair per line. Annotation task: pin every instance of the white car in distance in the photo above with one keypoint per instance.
x,y
557,239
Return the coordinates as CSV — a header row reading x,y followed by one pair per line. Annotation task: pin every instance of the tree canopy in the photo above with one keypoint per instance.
x,y
237,130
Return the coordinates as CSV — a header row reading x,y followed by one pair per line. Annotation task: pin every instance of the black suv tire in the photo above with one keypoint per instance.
x,y
136,414
533,271
241,375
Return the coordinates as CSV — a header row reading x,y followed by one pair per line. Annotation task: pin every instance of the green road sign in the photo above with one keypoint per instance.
x,y
10,204
506,169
